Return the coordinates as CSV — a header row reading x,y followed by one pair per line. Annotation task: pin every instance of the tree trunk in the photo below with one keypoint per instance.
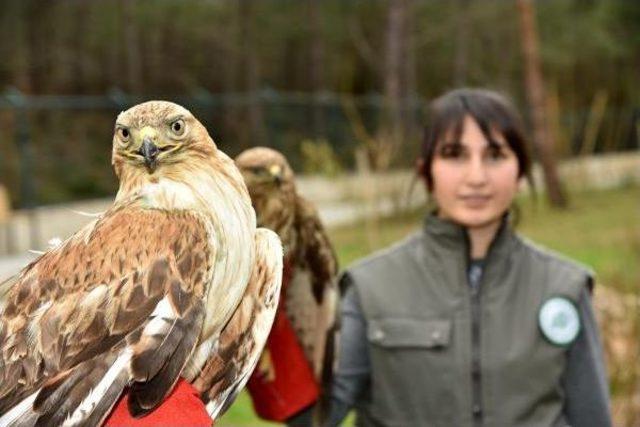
x,y
392,127
81,66
131,47
462,43
411,118
250,72
21,48
542,137
316,71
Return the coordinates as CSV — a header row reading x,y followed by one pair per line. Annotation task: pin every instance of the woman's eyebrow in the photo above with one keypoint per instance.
x,y
496,143
455,142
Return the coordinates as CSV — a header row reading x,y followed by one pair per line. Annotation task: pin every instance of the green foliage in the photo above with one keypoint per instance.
x,y
318,158
244,51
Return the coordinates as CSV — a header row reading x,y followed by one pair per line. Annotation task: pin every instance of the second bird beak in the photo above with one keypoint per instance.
x,y
150,152
276,173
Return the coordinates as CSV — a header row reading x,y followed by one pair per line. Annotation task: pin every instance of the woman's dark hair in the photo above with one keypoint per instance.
x,y
491,111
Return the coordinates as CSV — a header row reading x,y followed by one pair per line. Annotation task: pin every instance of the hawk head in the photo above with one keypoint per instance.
x,y
270,181
151,138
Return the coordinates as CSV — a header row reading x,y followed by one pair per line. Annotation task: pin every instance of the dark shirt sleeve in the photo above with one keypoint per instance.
x,y
352,376
304,418
585,379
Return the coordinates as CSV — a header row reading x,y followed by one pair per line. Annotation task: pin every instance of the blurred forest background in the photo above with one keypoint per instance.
x,y
319,80
339,86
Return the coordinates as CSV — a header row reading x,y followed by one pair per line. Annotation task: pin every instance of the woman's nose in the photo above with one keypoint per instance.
x,y
476,172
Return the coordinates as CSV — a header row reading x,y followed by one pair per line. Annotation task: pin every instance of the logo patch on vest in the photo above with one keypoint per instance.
x,y
559,321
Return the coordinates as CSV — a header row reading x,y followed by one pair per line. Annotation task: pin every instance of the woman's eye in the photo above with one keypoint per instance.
x,y
178,127
495,153
450,151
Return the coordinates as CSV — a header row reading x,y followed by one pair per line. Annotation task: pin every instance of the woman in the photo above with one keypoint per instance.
x,y
466,323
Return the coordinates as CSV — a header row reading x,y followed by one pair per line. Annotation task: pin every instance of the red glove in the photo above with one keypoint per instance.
x,y
293,387
182,408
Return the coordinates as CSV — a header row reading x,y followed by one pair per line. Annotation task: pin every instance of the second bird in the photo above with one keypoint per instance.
x,y
284,387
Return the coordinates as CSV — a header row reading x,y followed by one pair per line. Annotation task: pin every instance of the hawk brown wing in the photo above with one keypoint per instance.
x,y
312,297
241,341
315,248
120,302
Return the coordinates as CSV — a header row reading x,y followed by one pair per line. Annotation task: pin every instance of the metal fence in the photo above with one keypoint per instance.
x,y
68,137
57,148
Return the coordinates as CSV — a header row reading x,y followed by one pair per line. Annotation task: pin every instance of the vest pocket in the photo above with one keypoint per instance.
x,y
412,371
409,332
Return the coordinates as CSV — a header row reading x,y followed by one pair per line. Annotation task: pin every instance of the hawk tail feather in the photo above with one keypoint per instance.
x,y
223,378
20,415
158,367
222,402
89,392
82,395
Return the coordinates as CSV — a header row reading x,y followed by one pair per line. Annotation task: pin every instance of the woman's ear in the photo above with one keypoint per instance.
x,y
421,173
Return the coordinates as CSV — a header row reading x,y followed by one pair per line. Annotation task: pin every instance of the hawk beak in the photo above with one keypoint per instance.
x,y
150,152
276,173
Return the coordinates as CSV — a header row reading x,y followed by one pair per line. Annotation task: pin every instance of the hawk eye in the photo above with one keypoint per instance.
x,y
178,127
124,134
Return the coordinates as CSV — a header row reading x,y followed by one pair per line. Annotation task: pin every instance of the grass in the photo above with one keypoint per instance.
x,y
241,414
600,229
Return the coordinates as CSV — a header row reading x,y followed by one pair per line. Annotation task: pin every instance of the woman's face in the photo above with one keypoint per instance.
x,y
474,180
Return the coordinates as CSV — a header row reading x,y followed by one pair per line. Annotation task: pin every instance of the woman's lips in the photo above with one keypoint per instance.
x,y
475,200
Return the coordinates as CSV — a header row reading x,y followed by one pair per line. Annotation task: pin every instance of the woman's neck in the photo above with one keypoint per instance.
x,y
480,239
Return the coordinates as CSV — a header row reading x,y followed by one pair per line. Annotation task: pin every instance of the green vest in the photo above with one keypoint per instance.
x,y
444,355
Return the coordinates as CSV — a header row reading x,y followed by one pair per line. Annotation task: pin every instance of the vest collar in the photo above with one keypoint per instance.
x,y
453,237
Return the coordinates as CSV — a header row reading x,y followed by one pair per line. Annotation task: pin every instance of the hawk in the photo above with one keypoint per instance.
x,y
310,295
173,280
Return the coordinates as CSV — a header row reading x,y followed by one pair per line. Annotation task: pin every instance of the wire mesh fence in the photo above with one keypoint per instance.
x,y
58,148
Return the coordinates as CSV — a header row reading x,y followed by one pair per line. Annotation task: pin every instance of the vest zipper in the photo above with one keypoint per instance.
x,y
476,372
